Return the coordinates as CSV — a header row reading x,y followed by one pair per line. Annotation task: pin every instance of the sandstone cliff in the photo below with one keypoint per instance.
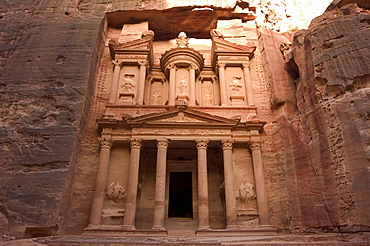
x,y
320,172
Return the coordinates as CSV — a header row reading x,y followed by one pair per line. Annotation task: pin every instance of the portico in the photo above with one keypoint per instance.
x,y
181,173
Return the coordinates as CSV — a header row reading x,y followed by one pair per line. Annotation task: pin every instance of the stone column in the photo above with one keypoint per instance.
x,y
132,185
160,185
172,96
203,208
141,87
115,82
192,86
231,217
248,84
101,179
223,87
259,177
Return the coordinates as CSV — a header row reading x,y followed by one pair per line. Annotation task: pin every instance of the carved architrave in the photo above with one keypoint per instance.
x,y
181,132
129,58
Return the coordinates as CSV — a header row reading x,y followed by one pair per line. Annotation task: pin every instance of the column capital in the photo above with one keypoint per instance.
x,y
246,64
193,66
117,62
105,142
162,143
135,143
227,144
202,143
143,63
255,144
171,66
221,64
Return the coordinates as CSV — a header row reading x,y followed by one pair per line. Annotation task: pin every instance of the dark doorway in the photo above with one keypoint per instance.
x,y
180,195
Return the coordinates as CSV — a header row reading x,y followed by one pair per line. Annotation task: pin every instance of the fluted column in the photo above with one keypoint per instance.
x,y
114,88
192,86
259,177
231,215
132,185
172,96
141,87
223,87
203,207
101,179
248,84
160,185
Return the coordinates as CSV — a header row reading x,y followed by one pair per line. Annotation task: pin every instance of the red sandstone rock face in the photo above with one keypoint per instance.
x,y
322,151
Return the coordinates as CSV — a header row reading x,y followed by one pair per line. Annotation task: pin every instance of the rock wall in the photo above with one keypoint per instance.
x,y
319,153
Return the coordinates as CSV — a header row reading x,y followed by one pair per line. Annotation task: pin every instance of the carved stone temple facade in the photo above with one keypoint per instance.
x,y
180,138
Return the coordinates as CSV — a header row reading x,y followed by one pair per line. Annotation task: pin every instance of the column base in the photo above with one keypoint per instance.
x,y
232,227
158,228
265,227
203,228
128,228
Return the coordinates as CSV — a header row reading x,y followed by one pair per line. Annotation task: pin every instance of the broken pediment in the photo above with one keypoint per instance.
x,y
226,50
143,46
183,117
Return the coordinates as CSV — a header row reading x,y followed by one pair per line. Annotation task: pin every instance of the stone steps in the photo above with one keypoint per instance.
x,y
195,241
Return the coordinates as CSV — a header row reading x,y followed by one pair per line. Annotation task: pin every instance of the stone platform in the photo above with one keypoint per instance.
x,y
358,239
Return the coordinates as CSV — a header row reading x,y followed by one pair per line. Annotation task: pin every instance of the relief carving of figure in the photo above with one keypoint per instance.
x,y
128,83
156,98
183,84
182,40
235,84
246,192
115,192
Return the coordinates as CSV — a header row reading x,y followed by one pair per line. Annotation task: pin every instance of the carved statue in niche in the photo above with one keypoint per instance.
x,y
235,85
128,83
116,193
156,98
182,86
207,93
182,40
246,192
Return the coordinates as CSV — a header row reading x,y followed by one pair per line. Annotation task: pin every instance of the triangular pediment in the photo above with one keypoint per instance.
x,y
222,45
180,116
143,44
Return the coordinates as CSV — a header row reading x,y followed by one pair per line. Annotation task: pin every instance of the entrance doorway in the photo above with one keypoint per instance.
x,y
180,195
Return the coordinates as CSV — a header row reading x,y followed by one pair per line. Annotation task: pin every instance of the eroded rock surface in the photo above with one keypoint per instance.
x,y
322,149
